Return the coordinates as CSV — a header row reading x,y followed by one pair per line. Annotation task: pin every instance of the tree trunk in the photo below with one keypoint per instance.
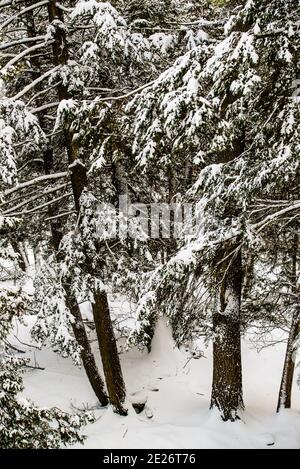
x,y
285,391
106,338
20,258
60,57
86,354
79,331
109,352
227,394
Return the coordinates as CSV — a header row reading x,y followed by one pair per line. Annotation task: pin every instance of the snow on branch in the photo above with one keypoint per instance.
x,y
130,93
22,12
24,53
274,216
35,82
32,199
42,108
7,45
32,182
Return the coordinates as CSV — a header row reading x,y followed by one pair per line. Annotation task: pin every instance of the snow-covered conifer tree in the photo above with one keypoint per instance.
x,y
232,105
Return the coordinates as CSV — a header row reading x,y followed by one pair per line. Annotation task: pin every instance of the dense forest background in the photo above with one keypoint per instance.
x,y
149,152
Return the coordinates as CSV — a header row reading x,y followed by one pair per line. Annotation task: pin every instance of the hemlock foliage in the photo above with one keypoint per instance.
x,y
160,102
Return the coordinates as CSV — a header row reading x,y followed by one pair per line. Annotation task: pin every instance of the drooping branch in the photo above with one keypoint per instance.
x,y
35,181
25,52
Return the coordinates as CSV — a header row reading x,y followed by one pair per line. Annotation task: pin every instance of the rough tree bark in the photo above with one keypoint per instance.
x,y
106,338
87,357
227,393
286,385
86,353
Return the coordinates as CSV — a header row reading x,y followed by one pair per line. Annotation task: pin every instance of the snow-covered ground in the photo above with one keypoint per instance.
x,y
177,392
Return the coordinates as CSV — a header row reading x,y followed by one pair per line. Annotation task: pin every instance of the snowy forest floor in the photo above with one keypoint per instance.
x,y
178,394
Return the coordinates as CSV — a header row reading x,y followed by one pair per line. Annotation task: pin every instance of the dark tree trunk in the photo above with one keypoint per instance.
x,y
109,352
86,354
119,179
107,342
87,357
20,258
60,57
285,391
188,175
227,393
227,389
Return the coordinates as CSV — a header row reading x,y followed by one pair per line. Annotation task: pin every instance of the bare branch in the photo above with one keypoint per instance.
x,y
24,53
22,12
42,108
7,45
39,207
60,215
274,216
35,82
36,196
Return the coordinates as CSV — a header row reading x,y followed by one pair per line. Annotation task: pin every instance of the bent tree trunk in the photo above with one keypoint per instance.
x,y
227,393
79,331
86,353
80,334
109,352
